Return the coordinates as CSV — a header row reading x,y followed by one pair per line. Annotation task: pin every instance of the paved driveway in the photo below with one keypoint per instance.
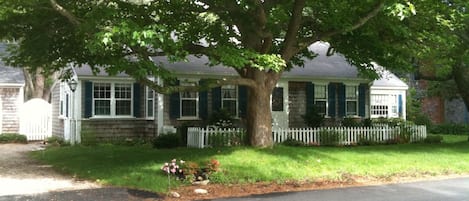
x,y
439,190
22,178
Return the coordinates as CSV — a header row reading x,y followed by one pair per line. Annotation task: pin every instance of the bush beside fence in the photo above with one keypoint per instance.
x,y
209,137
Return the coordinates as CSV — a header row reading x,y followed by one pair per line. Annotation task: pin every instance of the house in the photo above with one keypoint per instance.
x,y
118,107
11,98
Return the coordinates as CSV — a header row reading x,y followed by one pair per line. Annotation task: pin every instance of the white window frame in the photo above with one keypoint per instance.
x,y
223,99
149,97
64,108
351,99
325,99
181,99
388,102
113,100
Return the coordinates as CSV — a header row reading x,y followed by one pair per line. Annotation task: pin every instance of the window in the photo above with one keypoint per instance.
x,y
351,96
150,97
320,98
189,101
384,105
229,99
277,99
112,99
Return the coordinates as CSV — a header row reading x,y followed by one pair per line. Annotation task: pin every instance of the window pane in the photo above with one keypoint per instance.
x,y
123,91
230,106
123,107
351,92
150,108
319,91
277,99
102,90
189,108
351,108
187,94
228,91
321,107
102,107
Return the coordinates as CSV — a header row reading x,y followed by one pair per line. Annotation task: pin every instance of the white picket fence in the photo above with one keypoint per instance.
x,y
36,119
201,137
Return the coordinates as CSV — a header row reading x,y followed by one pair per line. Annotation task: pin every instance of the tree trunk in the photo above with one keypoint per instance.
x,y
259,115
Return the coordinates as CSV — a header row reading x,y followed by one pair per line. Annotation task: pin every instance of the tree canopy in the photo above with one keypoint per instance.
x,y
260,39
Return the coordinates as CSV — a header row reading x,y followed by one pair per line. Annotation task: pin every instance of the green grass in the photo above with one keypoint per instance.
x,y
139,166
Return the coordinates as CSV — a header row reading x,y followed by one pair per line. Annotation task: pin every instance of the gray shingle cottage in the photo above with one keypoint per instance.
x,y
111,107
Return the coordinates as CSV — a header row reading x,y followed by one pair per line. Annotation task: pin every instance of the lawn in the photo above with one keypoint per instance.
x,y
139,166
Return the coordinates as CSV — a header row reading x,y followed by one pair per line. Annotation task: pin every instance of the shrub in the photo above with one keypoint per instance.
x,y
330,137
227,139
293,143
351,122
433,139
366,141
455,129
221,119
13,138
313,118
56,141
166,141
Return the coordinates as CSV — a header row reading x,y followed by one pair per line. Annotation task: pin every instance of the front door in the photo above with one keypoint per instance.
x,y
279,106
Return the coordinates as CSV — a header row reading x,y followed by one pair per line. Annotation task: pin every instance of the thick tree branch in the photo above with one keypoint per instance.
x,y
57,7
359,23
207,85
290,45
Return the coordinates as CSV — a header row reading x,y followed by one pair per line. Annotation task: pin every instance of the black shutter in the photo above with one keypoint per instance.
x,y
362,99
341,99
309,97
243,101
174,104
331,99
399,106
88,99
137,99
216,99
203,102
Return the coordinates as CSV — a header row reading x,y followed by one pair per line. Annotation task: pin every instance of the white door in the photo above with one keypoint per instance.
x,y
279,105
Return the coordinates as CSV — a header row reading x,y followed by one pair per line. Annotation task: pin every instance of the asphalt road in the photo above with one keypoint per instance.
x,y
441,190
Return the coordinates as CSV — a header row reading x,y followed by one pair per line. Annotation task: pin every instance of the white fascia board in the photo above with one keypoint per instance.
x,y
389,87
12,85
105,78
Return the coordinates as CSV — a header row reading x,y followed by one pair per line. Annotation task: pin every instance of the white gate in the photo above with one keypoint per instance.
x,y
36,119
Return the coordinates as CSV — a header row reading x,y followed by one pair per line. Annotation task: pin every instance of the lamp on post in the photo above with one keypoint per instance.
x,y
73,84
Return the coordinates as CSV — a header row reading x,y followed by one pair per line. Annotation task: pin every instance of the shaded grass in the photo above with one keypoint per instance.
x,y
139,166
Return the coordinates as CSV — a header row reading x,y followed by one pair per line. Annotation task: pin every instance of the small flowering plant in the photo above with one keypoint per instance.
x,y
183,170
174,168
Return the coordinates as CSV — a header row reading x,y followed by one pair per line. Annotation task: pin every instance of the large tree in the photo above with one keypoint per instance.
x,y
260,39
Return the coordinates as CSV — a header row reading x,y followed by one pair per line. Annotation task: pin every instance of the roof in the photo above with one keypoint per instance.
x,y
388,80
10,75
322,67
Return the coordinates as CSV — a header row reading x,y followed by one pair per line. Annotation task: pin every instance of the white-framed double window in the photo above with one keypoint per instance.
x,y
384,105
189,101
351,96
229,99
150,102
112,99
320,98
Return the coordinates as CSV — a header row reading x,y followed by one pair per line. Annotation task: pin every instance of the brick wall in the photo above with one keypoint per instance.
x,y
10,107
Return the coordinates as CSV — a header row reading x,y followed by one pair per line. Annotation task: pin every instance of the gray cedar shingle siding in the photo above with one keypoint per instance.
x,y
57,123
10,120
118,129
